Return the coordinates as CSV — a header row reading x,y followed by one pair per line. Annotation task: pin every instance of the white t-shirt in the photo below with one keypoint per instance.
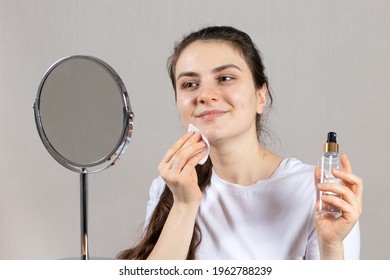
x,y
271,219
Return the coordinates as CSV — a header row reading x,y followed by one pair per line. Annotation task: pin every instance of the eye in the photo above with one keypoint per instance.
x,y
225,78
189,85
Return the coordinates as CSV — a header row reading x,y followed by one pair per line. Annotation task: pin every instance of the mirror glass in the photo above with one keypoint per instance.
x,y
83,113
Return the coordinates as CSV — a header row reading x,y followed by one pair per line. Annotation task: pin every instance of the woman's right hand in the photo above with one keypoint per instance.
x,y
177,168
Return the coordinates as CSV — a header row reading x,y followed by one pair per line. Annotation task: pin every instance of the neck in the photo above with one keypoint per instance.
x,y
243,161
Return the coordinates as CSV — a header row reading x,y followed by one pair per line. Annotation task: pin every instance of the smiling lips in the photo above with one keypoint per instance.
x,y
210,114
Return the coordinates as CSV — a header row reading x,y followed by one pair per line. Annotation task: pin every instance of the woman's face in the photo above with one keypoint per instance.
x,y
216,92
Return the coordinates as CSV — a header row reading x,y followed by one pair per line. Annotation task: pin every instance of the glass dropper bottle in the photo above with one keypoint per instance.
x,y
329,161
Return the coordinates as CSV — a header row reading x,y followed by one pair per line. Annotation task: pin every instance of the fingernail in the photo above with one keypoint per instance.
x,y
320,185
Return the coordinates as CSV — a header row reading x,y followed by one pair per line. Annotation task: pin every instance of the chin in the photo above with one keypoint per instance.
x,y
212,134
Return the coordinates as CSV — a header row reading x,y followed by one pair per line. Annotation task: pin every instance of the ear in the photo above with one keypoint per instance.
x,y
261,95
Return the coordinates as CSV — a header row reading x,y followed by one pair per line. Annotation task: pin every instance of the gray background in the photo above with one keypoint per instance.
x,y
328,64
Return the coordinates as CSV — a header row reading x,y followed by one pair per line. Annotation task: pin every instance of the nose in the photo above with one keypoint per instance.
x,y
207,94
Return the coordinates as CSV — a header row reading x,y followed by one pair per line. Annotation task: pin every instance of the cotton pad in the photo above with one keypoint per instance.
x,y
191,127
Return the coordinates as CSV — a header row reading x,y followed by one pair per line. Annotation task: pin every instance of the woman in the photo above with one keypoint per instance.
x,y
245,202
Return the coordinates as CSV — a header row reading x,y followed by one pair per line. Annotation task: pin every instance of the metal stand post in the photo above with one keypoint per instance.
x,y
84,214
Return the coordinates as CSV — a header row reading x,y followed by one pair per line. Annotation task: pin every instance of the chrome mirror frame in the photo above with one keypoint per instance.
x,y
128,122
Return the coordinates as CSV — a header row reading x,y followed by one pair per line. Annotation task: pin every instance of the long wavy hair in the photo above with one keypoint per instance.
x,y
252,56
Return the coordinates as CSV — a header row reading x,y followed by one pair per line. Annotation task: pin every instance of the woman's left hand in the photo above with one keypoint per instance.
x,y
331,232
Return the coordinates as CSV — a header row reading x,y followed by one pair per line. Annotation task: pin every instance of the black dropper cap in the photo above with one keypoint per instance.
x,y
331,145
332,137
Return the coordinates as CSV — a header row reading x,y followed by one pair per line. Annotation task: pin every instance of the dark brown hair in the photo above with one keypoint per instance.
x,y
242,42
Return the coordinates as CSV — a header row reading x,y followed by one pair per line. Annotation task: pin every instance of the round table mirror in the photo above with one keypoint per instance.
x,y
84,119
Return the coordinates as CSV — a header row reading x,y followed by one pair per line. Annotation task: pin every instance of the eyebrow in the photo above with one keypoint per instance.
x,y
215,70
187,74
227,66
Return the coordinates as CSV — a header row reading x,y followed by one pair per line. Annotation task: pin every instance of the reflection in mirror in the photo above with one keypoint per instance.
x,y
83,113
84,119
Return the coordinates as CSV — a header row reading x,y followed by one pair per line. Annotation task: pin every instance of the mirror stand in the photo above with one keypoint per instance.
x,y
84,213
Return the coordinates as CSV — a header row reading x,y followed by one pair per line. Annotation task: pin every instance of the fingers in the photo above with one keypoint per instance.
x,y
348,196
192,162
181,151
345,163
184,141
350,180
350,208
349,203
317,174
176,146
186,155
177,168
343,192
